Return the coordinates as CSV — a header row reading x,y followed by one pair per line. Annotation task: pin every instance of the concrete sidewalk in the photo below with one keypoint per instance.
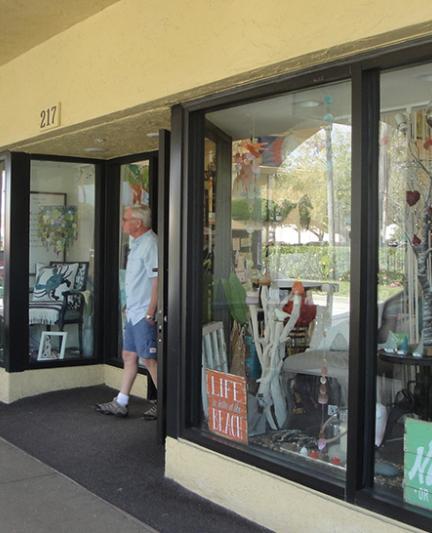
x,y
35,498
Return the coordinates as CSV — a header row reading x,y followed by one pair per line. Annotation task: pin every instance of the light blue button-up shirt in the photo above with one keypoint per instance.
x,y
142,259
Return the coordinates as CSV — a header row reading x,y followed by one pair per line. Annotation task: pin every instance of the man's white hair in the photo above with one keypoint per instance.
x,y
141,212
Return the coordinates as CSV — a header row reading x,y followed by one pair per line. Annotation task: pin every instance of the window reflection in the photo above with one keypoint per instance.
x,y
134,189
404,383
276,276
61,267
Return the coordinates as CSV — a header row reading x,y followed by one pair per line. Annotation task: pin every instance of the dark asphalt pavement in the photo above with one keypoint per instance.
x,y
117,459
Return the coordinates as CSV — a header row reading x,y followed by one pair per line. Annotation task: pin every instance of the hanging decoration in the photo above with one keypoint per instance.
x,y
57,227
246,162
137,177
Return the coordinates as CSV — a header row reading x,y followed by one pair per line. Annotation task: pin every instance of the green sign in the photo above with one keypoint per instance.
x,y
418,463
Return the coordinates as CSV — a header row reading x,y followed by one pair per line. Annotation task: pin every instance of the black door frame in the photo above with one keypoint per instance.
x,y
163,262
112,227
17,187
18,169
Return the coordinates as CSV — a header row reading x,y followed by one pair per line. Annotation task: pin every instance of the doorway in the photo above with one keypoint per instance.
x,y
88,195
139,179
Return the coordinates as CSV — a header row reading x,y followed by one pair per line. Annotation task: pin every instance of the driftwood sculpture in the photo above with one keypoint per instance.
x,y
270,350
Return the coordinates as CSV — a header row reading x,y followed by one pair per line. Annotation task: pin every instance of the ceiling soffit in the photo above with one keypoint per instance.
x,y
112,138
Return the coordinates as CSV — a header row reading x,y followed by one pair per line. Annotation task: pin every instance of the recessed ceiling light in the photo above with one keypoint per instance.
x,y
309,103
153,134
94,149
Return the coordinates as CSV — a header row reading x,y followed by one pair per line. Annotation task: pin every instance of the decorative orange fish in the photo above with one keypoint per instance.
x,y
255,148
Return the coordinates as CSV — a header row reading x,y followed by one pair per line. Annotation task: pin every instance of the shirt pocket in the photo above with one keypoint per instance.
x,y
134,268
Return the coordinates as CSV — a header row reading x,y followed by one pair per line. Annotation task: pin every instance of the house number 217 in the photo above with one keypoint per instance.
x,y
50,117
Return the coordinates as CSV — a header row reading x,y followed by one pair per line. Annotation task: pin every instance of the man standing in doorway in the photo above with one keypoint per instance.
x,y
139,337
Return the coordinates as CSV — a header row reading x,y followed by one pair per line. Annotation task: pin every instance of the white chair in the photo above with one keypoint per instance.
x,y
214,355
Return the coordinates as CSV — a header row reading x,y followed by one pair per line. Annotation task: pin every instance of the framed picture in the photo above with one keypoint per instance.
x,y
38,252
52,345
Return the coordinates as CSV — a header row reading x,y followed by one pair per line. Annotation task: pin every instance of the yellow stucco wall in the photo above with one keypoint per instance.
x,y
276,503
17,385
14,386
138,51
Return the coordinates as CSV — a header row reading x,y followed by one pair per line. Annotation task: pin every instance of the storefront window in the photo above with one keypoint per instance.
x,y
134,190
61,266
403,437
276,276
2,265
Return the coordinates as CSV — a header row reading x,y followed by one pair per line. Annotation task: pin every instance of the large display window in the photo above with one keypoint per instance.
x,y
304,326
276,276
403,435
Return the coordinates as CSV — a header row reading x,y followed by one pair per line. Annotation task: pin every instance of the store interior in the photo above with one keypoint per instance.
x,y
276,272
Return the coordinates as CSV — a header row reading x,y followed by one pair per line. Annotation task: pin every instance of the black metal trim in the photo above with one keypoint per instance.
x,y
163,263
4,158
215,134
134,158
397,55
100,237
16,261
110,270
193,196
154,191
175,346
269,88
364,260
65,159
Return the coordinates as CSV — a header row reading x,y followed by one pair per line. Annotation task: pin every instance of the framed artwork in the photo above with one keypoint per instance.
x,y
37,251
52,345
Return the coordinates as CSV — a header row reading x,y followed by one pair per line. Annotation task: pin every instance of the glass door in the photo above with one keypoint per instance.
x,y
134,191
